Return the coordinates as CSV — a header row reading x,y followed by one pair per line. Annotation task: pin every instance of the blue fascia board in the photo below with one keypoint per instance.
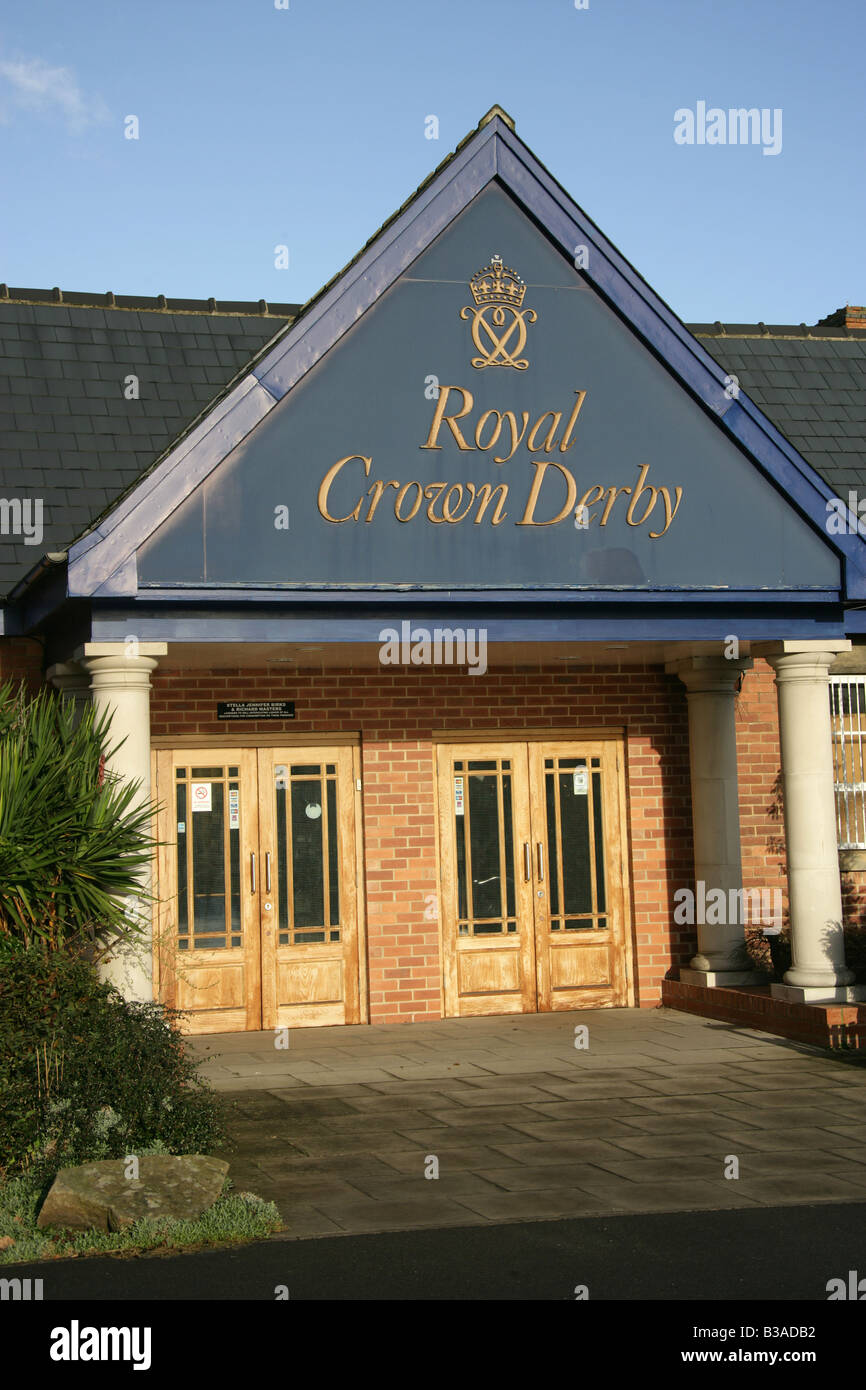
x,y
175,625
29,613
421,596
101,561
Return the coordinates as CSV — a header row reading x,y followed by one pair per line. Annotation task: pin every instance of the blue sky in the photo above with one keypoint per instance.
x,y
305,127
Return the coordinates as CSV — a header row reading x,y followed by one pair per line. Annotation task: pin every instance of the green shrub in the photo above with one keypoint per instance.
x,y
758,949
86,1074
769,954
772,954
74,839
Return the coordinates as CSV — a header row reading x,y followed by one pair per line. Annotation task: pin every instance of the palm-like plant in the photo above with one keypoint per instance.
x,y
74,840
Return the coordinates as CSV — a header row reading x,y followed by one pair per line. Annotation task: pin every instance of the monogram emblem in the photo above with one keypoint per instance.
x,y
498,317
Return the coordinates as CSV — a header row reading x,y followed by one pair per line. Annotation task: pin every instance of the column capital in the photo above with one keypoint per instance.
x,y
129,650
73,683
806,662
821,652
110,664
68,677
709,675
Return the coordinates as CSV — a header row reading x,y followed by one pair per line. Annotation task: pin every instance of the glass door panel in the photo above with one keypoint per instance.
x,y
307,844
575,843
485,847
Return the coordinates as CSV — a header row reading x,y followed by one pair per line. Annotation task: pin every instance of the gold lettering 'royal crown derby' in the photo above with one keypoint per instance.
x,y
498,317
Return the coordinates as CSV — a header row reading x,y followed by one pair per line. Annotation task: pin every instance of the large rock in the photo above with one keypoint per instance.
x,y
100,1196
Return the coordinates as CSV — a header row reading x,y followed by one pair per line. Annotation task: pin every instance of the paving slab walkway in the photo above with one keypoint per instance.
x,y
345,1128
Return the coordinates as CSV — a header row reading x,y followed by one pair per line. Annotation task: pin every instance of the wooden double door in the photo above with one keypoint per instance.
x,y
258,914
534,890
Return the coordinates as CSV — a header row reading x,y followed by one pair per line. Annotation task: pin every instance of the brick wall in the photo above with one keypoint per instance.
x,y
396,712
21,659
854,897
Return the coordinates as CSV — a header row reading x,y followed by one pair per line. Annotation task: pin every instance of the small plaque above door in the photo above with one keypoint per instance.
x,y
255,709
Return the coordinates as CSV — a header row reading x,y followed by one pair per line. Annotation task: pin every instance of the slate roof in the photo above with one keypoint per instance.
x,y
69,435
811,382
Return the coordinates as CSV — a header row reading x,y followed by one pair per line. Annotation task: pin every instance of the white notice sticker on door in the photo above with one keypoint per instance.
x,y
234,808
581,781
200,796
458,796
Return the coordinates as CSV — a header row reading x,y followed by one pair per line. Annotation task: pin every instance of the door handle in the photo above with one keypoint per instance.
x,y
527,862
268,872
252,872
540,862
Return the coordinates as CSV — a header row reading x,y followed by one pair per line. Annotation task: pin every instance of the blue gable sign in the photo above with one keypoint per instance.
x,y
489,422
488,399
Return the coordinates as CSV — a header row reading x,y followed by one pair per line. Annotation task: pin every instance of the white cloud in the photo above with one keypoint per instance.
x,y
33,85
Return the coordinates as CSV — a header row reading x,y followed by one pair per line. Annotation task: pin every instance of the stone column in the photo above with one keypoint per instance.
x,y
711,684
818,970
73,681
120,681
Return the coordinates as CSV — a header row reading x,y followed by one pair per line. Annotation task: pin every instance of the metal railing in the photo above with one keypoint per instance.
x,y
848,717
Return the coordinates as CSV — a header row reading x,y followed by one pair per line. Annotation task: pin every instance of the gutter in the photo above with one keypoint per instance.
x,y
50,560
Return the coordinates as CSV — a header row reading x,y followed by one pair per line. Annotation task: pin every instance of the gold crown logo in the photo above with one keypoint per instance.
x,y
496,284
498,317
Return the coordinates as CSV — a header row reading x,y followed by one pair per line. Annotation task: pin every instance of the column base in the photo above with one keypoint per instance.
x,y
819,994
719,979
